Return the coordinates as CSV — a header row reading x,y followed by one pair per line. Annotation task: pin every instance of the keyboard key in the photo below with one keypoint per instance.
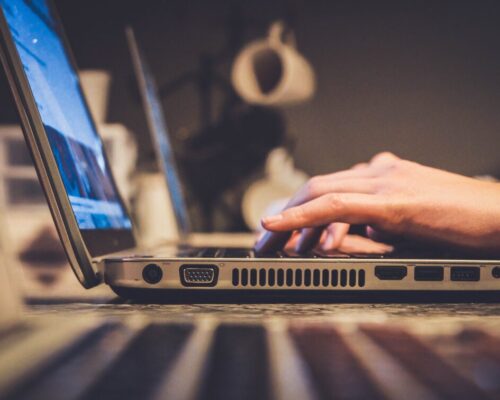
x,y
209,252
330,254
237,253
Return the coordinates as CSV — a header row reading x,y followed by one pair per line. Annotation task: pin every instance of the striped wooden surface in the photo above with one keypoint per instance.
x,y
273,352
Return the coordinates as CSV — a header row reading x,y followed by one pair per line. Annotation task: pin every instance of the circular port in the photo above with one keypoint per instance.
x,y
496,272
152,273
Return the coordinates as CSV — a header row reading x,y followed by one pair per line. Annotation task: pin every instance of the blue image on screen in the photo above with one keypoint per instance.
x,y
75,144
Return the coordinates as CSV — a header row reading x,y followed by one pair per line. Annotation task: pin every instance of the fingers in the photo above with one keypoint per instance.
x,y
272,241
342,197
354,244
361,178
309,238
338,207
320,186
335,235
290,246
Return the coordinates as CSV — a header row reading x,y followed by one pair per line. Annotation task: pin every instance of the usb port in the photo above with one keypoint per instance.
x,y
390,272
430,273
465,274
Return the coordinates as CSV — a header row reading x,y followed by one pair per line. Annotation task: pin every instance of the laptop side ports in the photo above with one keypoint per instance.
x,y
390,272
465,274
199,275
152,273
429,273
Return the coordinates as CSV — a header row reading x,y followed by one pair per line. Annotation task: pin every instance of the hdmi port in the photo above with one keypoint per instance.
x,y
390,272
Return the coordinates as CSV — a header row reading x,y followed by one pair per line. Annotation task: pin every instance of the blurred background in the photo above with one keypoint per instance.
x,y
420,79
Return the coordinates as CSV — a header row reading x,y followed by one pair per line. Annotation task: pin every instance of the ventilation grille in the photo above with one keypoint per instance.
x,y
272,277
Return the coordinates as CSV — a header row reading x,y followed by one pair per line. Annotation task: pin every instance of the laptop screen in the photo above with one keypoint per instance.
x,y
159,132
74,141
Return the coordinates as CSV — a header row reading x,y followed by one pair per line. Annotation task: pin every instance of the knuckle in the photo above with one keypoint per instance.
x,y
387,155
334,201
384,156
386,163
393,166
400,168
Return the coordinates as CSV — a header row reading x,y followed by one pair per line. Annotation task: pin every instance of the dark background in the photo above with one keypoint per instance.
x,y
421,78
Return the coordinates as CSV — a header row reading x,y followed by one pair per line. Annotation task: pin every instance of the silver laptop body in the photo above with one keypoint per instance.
x,y
97,232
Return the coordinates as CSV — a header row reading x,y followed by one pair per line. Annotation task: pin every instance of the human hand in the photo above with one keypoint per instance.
x,y
393,197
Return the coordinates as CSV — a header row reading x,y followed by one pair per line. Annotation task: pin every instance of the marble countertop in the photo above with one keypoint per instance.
x,y
419,316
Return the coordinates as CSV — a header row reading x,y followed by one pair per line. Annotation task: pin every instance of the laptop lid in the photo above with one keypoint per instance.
x,y
159,133
66,148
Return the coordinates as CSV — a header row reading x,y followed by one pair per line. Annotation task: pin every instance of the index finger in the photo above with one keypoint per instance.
x,y
351,208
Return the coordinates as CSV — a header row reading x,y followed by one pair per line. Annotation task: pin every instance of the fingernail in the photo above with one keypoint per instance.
x,y
272,219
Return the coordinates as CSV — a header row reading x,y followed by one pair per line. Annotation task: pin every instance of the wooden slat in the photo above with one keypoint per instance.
x,y
183,380
289,374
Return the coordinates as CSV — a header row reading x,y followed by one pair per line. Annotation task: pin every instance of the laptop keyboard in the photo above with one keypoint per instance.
x,y
217,252
399,253
272,359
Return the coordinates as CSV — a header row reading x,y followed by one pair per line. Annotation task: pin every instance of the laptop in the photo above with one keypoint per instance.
x,y
158,131
98,233
159,134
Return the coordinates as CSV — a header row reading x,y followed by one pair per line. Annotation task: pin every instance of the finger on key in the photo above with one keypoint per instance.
x,y
335,234
272,241
309,238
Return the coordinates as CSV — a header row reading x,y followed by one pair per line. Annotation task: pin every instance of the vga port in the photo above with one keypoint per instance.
x,y
199,275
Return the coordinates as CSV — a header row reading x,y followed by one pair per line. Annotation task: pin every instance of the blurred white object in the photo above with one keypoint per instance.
x,y
271,71
10,299
270,194
121,150
19,185
95,84
120,145
154,212
28,215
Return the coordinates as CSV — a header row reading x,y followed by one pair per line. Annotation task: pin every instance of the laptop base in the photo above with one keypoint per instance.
x,y
201,296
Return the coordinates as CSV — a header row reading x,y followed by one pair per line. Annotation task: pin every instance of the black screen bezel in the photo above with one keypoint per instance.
x,y
80,245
